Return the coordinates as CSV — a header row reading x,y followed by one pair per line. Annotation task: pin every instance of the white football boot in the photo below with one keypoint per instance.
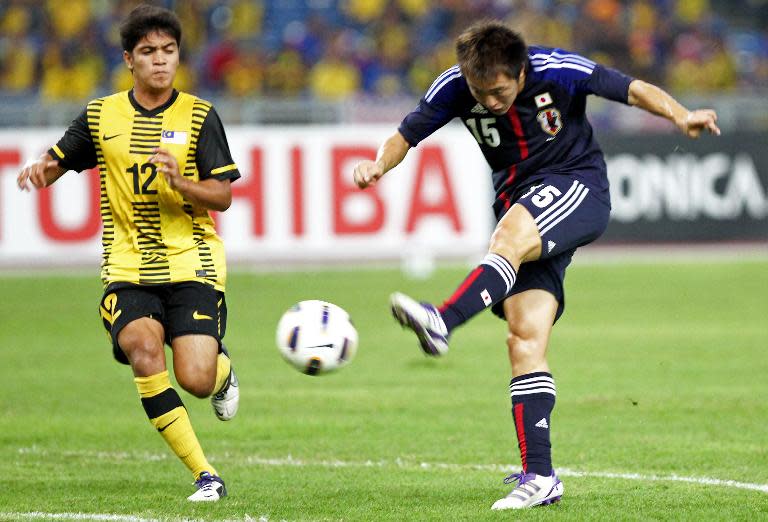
x,y
424,319
532,490
210,488
227,400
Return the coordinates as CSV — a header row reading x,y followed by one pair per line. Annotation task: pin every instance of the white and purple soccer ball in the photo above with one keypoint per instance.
x,y
316,337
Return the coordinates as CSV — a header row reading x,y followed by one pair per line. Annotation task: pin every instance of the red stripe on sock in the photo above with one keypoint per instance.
x,y
520,427
463,288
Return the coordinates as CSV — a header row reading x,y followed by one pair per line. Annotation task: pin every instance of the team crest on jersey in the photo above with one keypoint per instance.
x,y
175,137
550,121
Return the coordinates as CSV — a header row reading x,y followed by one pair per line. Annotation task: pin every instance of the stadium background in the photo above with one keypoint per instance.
x,y
308,88
660,361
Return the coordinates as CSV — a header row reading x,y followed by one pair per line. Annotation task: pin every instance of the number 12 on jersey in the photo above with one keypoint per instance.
x,y
146,169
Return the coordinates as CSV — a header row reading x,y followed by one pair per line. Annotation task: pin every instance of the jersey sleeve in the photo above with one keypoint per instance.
x,y
75,150
438,106
607,83
213,158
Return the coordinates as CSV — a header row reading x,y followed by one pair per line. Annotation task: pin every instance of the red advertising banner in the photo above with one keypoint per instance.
x,y
296,201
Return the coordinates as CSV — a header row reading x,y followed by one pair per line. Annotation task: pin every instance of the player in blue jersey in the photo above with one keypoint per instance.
x,y
525,107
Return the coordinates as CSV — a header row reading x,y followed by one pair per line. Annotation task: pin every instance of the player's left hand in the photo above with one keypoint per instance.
x,y
698,121
168,167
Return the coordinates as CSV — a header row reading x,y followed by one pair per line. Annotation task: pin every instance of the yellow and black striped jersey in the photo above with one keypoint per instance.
x,y
151,234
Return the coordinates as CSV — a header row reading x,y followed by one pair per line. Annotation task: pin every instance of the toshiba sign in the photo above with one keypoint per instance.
x,y
295,201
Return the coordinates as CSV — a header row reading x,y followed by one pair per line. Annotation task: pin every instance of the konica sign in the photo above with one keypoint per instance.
x,y
667,188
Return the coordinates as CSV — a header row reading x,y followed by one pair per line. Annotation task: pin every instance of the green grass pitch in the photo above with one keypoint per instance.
x,y
662,374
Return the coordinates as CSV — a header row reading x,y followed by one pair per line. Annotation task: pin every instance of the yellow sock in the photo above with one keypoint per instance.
x,y
168,415
223,366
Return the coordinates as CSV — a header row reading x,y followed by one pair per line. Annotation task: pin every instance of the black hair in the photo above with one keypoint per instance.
x,y
489,47
146,19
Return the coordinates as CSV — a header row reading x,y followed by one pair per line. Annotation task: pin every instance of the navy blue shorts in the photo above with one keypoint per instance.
x,y
569,213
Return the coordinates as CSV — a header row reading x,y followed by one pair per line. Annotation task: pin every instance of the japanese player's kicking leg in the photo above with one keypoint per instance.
x,y
142,342
515,240
530,316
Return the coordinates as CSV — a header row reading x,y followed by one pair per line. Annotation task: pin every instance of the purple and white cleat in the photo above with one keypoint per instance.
x,y
424,320
210,488
532,490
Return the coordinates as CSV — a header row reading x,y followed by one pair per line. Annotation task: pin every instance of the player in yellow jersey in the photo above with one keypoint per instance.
x,y
164,163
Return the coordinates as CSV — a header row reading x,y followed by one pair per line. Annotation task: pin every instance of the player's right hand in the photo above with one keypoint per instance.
x,y
367,173
33,172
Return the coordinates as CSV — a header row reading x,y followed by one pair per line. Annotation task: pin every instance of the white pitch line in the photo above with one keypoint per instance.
x,y
705,481
501,468
40,515
400,463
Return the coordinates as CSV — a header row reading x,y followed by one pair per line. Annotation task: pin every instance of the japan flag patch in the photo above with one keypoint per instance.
x,y
486,296
174,137
543,99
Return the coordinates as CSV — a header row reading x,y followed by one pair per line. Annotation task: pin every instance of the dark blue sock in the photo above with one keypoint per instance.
x,y
485,286
533,399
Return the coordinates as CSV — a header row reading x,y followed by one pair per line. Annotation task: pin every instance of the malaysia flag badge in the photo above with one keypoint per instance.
x,y
543,99
174,137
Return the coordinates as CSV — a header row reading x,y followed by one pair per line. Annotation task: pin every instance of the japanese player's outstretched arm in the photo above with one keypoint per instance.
x,y
390,154
41,172
656,101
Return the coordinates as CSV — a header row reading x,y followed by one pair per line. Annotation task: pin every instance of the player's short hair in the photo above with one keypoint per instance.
x,y
489,47
146,19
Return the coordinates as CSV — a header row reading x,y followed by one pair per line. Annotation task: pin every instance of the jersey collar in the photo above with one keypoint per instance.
x,y
156,110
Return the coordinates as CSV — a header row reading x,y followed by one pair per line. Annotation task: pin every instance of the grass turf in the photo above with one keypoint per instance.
x,y
660,371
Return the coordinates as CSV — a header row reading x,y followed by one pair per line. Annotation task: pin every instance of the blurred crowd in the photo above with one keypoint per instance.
x,y
336,49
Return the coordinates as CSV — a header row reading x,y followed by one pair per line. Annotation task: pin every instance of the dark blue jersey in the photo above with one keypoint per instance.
x,y
544,132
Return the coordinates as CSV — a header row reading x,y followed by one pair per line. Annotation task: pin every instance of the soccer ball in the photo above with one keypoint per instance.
x,y
316,337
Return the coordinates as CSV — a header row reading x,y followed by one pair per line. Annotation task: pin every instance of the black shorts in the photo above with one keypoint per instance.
x,y
182,308
569,213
